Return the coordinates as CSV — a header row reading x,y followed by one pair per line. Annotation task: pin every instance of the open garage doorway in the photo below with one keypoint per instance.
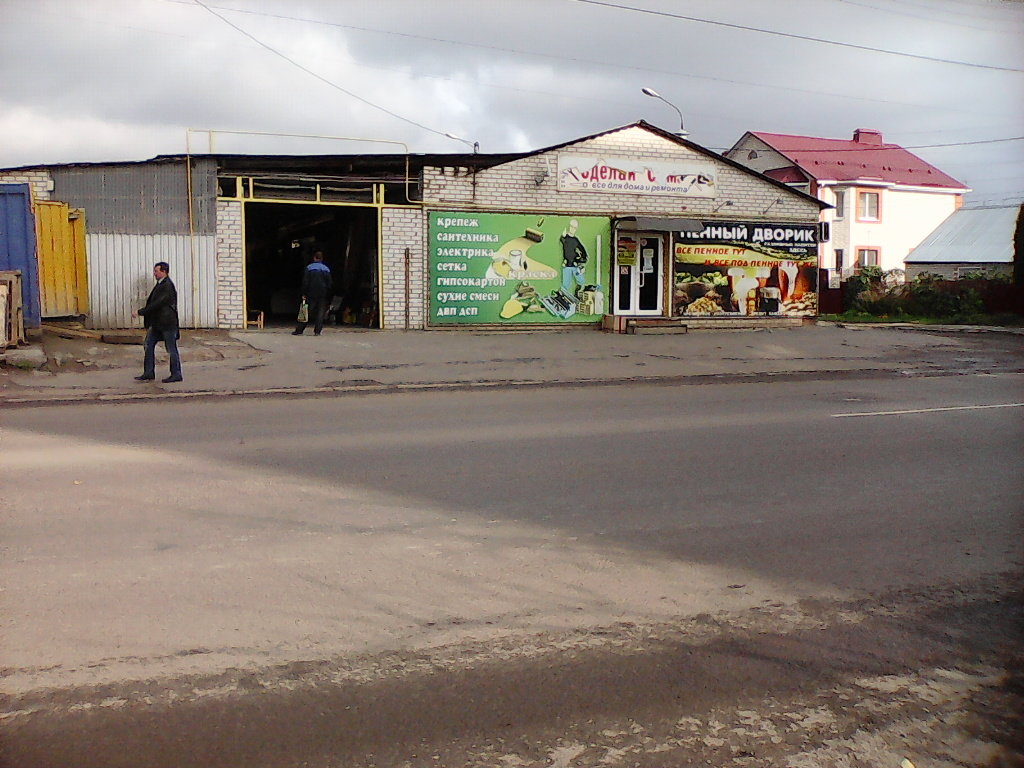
x,y
280,239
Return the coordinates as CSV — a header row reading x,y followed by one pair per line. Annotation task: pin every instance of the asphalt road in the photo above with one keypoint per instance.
x,y
489,578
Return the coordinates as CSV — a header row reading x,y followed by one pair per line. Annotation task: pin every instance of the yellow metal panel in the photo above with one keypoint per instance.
x,y
77,217
63,283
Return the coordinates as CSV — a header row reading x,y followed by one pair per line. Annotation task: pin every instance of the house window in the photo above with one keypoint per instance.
x,y
839,259
867,206
867,257
840,211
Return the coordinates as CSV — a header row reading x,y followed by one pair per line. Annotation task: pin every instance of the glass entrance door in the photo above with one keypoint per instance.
x,y
640,269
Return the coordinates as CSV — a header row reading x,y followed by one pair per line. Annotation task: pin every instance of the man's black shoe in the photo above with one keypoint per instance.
x,y
171,379
144,377
296,333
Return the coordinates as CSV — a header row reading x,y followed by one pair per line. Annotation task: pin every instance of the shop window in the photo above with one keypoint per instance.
x,y
868,206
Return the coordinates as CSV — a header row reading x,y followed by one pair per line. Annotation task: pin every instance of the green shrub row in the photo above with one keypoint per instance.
x,y
883,294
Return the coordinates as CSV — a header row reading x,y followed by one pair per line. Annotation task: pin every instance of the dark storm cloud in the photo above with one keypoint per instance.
x,y
123,78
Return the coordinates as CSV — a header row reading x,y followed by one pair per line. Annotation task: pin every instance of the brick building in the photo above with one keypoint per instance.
x,y
632,222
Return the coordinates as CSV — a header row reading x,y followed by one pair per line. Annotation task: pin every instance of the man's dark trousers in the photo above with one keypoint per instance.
x,y
170,340
317,309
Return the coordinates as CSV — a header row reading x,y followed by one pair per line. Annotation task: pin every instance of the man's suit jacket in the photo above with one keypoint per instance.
x,y
161,310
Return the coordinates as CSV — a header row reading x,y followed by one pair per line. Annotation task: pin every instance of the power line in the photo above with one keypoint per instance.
x,y
967,143
970,14
319,77
882,147
698,20
927,16
578,60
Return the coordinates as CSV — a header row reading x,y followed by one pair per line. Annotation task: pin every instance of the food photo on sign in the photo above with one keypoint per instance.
x,y
746,269
516,268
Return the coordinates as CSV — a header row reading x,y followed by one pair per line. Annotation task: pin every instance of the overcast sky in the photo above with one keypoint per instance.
x,y
96,80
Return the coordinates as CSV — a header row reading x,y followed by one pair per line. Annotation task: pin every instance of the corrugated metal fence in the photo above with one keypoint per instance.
x,y
121,277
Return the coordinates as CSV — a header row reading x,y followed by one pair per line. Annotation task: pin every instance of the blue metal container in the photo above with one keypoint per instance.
x,y
18,245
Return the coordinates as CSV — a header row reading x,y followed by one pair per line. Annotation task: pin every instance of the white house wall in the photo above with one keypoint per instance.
x,y
121,277
764,157
907,218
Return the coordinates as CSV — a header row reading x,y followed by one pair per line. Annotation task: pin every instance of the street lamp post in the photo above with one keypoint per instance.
x,y
682,132
474,144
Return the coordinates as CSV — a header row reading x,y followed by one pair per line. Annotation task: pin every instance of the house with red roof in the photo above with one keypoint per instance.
x,y
885,200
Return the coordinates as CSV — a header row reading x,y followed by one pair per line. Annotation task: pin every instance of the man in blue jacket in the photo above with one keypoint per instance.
x,y
317,287
160,318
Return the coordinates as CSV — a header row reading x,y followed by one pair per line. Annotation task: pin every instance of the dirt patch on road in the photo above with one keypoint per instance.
x,y
931,677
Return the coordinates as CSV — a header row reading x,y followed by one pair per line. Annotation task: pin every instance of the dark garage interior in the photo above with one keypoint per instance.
x,y
280,239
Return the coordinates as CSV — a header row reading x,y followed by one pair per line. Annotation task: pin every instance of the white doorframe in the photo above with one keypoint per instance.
x,y
640,275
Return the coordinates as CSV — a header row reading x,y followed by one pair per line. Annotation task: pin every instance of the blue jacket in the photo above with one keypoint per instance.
x,y
317,282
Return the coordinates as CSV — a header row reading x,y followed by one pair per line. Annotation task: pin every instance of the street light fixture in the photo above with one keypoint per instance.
x,y
682,132
474,144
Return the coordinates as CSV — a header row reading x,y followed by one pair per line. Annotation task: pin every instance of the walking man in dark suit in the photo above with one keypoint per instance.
x,y
160,317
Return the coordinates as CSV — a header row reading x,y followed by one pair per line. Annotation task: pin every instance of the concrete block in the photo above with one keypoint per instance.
x,y
24,357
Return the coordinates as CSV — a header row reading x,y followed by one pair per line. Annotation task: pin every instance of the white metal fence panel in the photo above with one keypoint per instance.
x,y
121,277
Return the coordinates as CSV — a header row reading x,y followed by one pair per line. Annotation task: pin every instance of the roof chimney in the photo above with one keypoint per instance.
x,y
867,136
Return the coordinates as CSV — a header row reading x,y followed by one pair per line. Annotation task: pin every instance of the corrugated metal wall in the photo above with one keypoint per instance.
x,y
121,277
138,214
141,199
63,279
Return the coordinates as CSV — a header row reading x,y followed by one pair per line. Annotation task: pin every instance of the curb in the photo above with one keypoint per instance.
x,y
974,329
462,386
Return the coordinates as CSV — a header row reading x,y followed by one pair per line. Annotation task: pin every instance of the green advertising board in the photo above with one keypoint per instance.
x,y
514,269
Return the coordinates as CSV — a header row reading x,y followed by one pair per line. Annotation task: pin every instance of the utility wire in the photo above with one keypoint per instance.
x,y
881,147
589,62
319,77
593,2
928,17
698,20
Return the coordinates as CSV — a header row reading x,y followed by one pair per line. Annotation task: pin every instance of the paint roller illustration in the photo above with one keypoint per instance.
x,y
513,262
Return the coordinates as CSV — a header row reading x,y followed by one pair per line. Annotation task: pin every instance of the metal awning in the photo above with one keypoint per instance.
x,y
658,224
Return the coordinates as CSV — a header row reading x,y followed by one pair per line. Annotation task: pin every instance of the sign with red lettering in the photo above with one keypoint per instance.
x,y
621,175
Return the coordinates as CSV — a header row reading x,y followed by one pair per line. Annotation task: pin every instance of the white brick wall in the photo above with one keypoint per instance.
x,y
39,180
230,265
530,185
514,186
404,228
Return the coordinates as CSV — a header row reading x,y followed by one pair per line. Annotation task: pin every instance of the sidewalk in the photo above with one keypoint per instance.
x,y
272,361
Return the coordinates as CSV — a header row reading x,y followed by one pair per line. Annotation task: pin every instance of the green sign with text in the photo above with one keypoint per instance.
x,y
511,269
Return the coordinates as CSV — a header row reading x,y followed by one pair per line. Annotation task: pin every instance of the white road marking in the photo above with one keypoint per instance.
x,y
928,410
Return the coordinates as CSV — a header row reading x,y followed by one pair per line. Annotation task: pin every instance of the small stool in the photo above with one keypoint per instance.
x,y
255,318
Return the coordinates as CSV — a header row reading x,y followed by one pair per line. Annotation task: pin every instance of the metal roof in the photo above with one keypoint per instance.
x,y
970,236
392,166
865,157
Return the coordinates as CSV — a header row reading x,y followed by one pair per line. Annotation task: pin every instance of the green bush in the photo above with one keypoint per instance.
x,y
930,296
884,295
876,292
